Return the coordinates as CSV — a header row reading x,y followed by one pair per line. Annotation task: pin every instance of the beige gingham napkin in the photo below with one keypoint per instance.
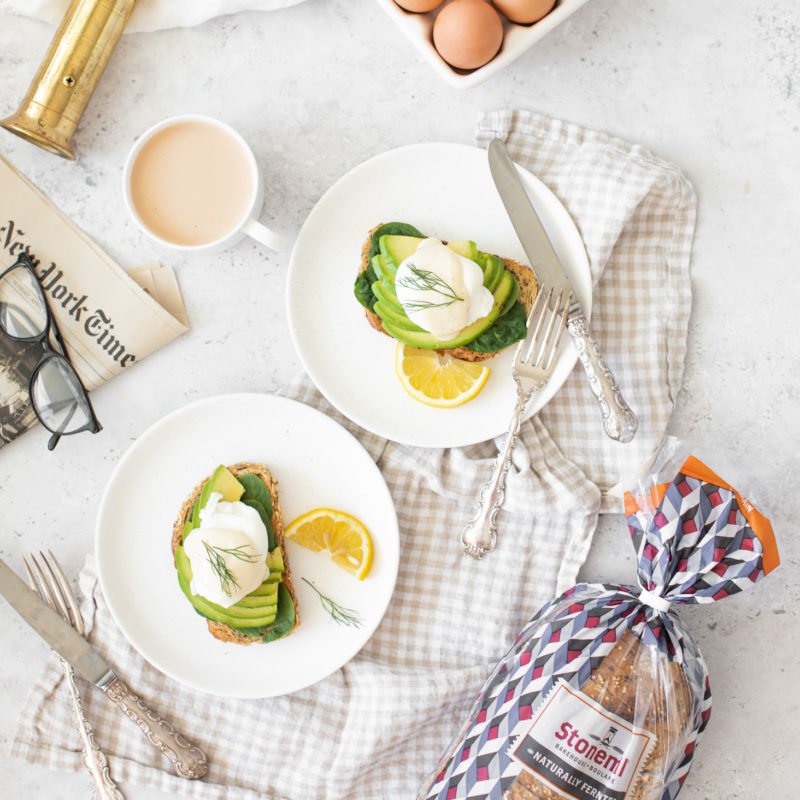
x,y
376,728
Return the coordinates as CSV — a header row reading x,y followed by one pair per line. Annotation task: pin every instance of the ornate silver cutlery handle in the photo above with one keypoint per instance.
x,y
188,759
93,757
619,422
480,536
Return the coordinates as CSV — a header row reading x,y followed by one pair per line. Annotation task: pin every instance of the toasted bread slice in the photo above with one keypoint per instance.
x,y
218,629
528,287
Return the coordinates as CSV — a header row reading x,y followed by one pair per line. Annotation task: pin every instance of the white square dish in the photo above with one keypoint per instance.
x,y
516,40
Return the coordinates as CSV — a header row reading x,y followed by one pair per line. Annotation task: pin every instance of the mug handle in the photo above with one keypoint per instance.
x,y
263,234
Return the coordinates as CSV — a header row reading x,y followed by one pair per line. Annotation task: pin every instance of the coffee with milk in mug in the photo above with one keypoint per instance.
x,y
191,183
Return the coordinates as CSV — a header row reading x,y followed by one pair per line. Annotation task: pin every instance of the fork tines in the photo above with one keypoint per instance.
x,y
49,580
540,349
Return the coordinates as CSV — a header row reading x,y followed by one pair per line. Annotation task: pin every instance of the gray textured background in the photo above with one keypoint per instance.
x,y
320,87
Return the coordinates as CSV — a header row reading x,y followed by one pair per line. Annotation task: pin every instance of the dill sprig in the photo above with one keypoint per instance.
x,y
344,616
424,279
215,558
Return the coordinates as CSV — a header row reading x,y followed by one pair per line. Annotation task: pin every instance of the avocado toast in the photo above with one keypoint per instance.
x,y
270,611
512,285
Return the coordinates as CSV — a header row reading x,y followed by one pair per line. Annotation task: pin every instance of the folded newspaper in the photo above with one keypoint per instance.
x,y
109,318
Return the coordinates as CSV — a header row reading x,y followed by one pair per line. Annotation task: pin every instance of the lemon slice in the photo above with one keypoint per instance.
x,y
347,541
438,380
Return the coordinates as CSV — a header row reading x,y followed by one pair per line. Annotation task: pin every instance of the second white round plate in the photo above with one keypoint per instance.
x,y
445,190
317,464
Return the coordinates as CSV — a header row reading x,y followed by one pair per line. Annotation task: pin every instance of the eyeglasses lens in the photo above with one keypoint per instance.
x,y
58,397
22,311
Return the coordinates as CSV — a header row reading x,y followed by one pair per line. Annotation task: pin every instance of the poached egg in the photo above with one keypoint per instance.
x,y
228,552
440,290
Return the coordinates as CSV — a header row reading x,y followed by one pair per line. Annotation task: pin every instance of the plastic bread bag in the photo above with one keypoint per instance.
x,y
604,694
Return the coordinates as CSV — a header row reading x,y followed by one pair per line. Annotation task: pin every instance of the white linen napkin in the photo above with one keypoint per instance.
x,y
151,15
376,728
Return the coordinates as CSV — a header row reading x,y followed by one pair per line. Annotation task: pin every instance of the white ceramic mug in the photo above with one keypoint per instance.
x,y
181,167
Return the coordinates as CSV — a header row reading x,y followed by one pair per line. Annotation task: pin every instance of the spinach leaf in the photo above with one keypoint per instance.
x,y
284,622
253,633
508,328
257,496
363,288
256,489
265,518
391,229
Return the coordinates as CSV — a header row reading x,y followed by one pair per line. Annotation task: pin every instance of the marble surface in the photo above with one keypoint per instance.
x,y
320,87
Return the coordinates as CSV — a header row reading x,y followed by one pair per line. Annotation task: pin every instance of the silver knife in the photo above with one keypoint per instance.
x,y
188,759
619,422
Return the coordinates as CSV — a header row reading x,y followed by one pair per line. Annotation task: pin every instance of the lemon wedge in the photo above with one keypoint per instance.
x,y
438,380
345,538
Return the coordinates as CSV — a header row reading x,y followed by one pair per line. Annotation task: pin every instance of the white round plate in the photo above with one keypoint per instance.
x,y
444,190
317,463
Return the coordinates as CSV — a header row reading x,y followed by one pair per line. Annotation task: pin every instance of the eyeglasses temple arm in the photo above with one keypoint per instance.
x,y
57,335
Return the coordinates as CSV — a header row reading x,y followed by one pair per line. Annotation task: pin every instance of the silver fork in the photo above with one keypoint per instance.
x,y
534,361
93,757
189,761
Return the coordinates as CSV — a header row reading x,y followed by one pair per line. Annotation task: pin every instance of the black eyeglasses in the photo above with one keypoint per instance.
x,y
58,397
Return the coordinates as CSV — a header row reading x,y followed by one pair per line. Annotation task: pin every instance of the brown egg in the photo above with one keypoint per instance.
x,y
524,11
419,6
468,33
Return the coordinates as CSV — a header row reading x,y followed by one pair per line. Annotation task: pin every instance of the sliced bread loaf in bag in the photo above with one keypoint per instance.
x,y
604,695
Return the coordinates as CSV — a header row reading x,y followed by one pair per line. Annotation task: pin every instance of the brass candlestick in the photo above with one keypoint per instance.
x,y
61,89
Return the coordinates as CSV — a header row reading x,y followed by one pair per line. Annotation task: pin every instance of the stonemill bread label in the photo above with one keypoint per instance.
x,y
580,749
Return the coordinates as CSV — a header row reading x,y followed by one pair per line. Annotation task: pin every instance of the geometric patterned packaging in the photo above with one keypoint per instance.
x,y
604,694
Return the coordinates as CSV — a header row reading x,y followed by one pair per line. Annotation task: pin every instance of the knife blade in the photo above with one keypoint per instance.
x,y
60,635
619,422
531,233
